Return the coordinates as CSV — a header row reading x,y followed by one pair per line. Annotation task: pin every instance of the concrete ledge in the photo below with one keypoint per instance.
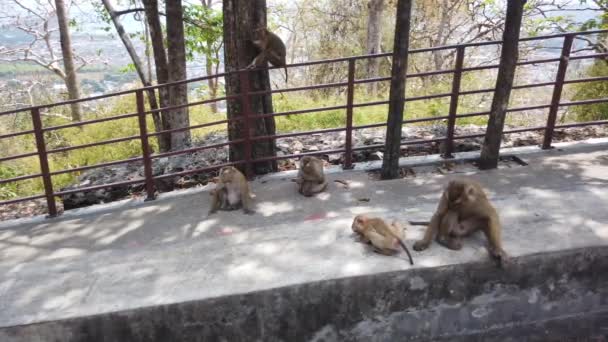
x,y
541,297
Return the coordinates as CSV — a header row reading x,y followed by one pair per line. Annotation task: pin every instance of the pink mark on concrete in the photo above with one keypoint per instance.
x,y
226,231
316,216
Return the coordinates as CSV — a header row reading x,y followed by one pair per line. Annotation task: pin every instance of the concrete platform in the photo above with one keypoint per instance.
x,y
163,271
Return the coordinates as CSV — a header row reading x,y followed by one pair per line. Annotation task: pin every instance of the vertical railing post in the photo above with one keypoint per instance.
x,y
557,90
350,94
246,124
449,139
145,145
44,163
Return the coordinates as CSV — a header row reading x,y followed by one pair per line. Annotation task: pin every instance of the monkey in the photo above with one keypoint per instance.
x,y
384,237
311,179
232,192
464,209
272,49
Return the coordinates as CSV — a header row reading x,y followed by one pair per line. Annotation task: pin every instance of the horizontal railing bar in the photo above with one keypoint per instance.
x,y
199,170
592,55
427,97
434,118
16,134
97,187
195,149
580,124
208,124
524,129
532,85
376,125
88,122
372,79
20,178
312,87
295,134
430,73
191,104
22,199
16,111
298,112
18,156
519,109
100,143
582,102
588,79
468,115
368,104
96,166
539,61
290,156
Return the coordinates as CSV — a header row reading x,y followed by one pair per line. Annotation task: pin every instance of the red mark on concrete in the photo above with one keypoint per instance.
x,y
317,216
226,231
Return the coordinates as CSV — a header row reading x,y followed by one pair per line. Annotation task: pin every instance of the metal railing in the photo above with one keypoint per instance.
x,y
147,157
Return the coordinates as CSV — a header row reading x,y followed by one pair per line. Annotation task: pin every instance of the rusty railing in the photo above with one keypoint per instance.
x,y
148,158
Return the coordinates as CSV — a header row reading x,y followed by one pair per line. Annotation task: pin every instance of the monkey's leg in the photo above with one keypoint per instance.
x,y
312,188
433,226
382,244
448,224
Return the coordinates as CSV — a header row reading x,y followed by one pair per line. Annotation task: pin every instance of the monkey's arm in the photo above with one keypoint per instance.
x,y
215,201
246,198
258,61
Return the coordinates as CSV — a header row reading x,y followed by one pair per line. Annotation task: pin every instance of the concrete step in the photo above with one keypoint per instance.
x,y
163,271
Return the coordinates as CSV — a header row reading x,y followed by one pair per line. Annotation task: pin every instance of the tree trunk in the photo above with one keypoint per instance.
x,y
71,80
390,162
139,67
374,39
160,64
178,94
240,18
504,83
212,82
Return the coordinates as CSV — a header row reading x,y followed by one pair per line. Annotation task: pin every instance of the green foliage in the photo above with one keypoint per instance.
x,y
203,31
592,90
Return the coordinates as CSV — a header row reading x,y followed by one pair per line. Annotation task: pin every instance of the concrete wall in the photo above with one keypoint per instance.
x,y
544,297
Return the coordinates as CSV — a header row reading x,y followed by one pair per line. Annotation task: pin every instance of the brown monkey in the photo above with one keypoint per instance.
x,y
464,209
232,192
311,179
384,237
272,49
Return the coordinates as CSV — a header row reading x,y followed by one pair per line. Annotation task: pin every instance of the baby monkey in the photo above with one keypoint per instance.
x,y
272,50
311,179
232,192
385,238
464,209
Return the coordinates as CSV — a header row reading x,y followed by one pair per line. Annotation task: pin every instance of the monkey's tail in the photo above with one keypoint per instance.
x,y
419,223
406,251
286,76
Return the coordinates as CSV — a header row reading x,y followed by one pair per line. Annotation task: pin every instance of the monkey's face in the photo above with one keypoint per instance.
x,y
305,163
459,193
226,174
259,33
358,223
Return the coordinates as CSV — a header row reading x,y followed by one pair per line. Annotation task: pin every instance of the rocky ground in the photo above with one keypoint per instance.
x,y
308,143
